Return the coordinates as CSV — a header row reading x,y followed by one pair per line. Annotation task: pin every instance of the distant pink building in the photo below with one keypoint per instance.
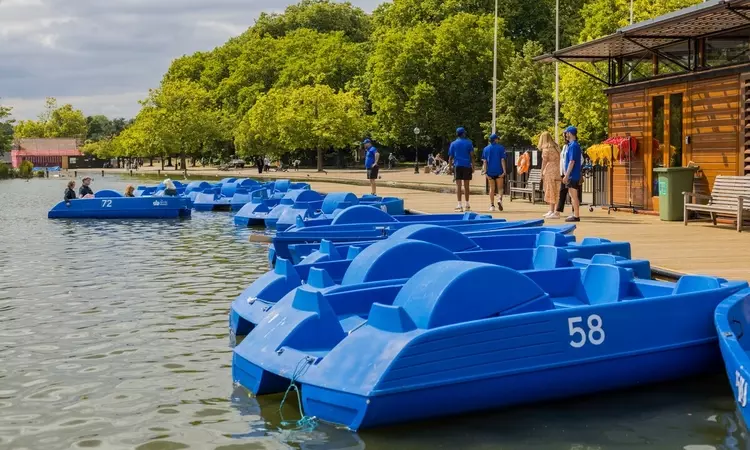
x,y
45,152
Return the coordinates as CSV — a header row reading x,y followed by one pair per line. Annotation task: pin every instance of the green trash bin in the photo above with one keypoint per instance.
x,y
673,181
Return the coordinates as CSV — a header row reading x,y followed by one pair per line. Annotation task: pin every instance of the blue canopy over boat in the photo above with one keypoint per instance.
x,y
460,336
389,260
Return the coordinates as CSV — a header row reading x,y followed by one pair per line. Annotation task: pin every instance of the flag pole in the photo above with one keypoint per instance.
x,y
557,72
494,78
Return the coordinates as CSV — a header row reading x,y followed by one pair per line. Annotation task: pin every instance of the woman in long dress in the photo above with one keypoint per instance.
x,y
550,173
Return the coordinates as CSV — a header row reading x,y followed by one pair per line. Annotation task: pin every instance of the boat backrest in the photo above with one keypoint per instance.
x,y
606,283
550,238
695,283
333,201
549,257
445,237
362,214
107,193
453,292
281,185
394,259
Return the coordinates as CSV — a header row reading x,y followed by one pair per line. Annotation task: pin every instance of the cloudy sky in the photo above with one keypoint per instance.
x,y
103,55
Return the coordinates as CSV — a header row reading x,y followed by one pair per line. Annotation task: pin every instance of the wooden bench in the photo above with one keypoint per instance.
x,y
730,197
532,186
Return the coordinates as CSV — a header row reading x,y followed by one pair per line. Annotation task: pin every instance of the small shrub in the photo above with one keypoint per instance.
x,y
26,169
5,171
40,174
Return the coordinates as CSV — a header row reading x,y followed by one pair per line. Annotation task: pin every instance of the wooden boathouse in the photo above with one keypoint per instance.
x,y
680,85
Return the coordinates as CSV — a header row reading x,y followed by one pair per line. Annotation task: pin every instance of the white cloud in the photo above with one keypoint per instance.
x,y
103,55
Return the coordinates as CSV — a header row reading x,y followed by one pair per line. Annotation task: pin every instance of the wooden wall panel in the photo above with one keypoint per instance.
x,y
627,117
715,114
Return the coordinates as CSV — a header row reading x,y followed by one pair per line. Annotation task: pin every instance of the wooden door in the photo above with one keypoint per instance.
x,y
668,124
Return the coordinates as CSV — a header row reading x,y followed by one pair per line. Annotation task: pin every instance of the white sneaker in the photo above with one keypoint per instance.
x,y
554,215
547,215
458,208
467,207
492,208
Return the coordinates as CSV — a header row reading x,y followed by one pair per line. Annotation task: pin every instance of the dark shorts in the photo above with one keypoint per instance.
x,y
464,173
494,177
573,184
372,173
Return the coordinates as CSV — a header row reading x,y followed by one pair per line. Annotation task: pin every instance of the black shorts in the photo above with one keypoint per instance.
x,y
573,184
494,177
372,173
464,173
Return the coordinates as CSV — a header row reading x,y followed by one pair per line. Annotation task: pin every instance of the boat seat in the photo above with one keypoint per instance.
x,y
695,283
362,214
551,239
548,257
453,292
606,283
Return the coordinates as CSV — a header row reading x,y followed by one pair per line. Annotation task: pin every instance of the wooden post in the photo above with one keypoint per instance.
x,y
75,174
102,173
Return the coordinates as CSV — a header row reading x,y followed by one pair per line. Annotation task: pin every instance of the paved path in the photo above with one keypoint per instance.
x,y
697,248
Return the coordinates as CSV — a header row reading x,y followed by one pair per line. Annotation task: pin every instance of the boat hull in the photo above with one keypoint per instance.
x,y
731,320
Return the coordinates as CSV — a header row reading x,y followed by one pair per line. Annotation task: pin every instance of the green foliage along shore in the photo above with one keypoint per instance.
x,y
323,75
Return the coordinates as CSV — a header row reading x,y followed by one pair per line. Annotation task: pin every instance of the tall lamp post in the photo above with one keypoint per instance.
x,y
416,149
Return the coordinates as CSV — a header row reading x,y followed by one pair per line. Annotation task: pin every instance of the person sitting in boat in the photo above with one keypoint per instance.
x,y
169,188
129,191
70,192
85,191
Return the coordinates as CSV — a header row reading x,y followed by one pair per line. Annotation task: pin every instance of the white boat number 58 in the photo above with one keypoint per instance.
x,y
741,384
106,203
595,334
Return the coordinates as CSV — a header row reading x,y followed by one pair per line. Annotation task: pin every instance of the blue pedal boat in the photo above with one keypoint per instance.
x,y
732,320
463,336
113,205
468,224
402,256
451,239
219,198
315,213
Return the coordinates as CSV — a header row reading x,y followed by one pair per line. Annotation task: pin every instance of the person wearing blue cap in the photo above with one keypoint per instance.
x,y
493,166
572,175
461,155
371,164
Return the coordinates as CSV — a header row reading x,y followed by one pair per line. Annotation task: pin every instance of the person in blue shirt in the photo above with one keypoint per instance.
x,y
371,164
493,166
461,156
572,175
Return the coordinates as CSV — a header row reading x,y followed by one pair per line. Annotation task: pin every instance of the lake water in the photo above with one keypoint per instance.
x,y
113,335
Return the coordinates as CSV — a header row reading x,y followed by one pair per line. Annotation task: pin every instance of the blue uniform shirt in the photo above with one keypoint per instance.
x,y
370,157
461,150
574,154
493,154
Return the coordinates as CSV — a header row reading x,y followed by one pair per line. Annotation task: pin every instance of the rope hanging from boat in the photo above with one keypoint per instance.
x,y
305,422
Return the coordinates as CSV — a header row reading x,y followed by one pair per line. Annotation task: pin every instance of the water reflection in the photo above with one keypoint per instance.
x,y
113,334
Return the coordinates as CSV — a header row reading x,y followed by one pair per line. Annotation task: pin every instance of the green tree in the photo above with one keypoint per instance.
x,y
525,106
323,16
436,77
99,127
29,129
305,118
54,122
6,129
184,118
26,169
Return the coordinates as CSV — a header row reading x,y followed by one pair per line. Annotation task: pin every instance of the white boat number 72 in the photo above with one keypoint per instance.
x,y
595,334
106,203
